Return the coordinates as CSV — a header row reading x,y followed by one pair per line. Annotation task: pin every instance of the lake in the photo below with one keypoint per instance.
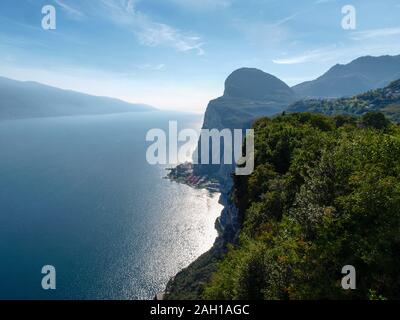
x,y
77,193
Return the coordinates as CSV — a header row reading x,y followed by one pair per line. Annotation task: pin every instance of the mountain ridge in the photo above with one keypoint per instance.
x,y
30,99
360,75
251,93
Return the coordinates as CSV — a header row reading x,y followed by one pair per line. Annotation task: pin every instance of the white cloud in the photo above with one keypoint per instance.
x,y
266,33
324,54
130,6
288,18
148,31
158,34
375,33
296,60
72,12
262,33
341,53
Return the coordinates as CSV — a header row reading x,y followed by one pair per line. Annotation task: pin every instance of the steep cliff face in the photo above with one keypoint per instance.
x,y
249,94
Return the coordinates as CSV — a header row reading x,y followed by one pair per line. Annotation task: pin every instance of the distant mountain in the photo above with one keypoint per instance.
x,y
20,99
249,94
358,76
386,100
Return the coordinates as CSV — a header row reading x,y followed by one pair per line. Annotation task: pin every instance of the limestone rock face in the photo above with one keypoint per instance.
x,y
249,94
254,84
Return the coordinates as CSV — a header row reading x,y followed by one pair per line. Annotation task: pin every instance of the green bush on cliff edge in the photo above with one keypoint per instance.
x,y
325,193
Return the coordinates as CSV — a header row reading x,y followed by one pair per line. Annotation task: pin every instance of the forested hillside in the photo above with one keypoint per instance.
x,y
325,193
386,100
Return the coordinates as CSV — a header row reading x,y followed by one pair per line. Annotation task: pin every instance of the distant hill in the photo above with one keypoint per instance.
x,y
20,99
249,94
386,100
358,76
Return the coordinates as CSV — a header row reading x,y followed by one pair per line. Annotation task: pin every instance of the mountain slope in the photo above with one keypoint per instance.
x,y
358,76
386,100
317,180
324,194
20,99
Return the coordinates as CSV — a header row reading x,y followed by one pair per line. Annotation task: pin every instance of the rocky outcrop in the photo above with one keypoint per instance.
x,y
249,94
254,84
228,223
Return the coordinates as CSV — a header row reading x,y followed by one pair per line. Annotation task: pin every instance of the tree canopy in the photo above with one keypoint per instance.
x,y
325,193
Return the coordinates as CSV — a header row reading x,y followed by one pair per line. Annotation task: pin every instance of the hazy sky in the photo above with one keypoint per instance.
x,y
176,54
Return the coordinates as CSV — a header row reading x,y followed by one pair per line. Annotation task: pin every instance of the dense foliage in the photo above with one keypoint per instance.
x,y
386,100
325,193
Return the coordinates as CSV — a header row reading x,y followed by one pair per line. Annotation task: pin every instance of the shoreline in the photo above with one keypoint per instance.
x,y
184,174
226,223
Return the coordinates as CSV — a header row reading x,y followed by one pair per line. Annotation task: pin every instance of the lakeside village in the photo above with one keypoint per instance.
x,y
184,173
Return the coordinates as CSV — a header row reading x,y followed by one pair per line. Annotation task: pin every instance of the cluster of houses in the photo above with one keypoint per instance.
x,y
183,173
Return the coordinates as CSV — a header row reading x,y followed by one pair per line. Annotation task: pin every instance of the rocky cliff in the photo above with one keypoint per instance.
x,y
249,94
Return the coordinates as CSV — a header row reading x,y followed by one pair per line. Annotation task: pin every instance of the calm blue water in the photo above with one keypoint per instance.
x,y
77,193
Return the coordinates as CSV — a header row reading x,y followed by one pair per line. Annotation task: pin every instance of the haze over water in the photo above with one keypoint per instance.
x,y
77,193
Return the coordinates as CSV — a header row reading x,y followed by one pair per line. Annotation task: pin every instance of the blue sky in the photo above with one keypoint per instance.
x,y
176,54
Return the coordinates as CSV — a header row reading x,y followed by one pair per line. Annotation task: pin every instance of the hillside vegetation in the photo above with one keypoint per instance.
x,y
325,193
386,100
